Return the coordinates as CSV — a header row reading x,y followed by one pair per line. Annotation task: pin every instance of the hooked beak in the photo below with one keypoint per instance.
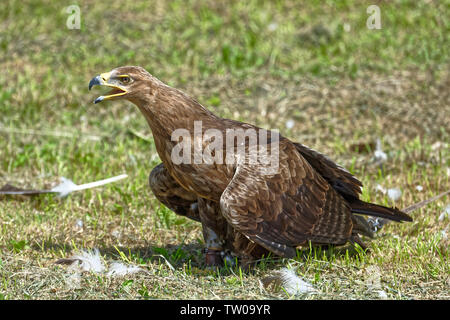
x,y
105,80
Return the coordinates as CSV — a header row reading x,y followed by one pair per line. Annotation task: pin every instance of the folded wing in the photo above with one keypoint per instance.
x,y
284,210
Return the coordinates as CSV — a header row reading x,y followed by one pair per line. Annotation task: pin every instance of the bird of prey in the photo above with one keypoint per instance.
x,y
247,208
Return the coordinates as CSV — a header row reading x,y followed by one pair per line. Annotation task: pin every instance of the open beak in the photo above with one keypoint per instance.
x,y
105,80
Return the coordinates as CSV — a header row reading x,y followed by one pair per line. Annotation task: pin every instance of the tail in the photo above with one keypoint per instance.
x,y
371,209
367,227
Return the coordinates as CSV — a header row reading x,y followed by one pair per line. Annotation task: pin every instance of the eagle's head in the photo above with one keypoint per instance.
x,y
126,82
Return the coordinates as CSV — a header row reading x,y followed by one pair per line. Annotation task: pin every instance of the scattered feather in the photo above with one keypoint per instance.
x,y
116,233
373,281
379,155
73,280
382,294
394,194
85,261
118,269
444,233
289,281
419,188
380,188
445,213
273,26
290,124
66,187
91,261
347,27
437,145
78,225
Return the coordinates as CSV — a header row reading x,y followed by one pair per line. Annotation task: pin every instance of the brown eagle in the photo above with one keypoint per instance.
x,y
247,208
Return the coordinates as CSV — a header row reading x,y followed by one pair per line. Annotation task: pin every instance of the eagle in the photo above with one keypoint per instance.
x,y
249,207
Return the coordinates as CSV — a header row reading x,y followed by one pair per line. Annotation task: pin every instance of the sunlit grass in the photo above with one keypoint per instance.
x,y
260,62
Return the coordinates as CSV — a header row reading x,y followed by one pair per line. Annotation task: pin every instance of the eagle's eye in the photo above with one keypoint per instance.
x,y
125,79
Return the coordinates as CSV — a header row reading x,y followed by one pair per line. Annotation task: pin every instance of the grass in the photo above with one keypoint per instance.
x,y
313,62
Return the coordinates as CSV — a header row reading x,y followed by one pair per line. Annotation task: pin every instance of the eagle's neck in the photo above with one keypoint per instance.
x,y
167,109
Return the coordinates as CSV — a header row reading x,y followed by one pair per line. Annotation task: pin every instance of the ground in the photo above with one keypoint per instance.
x,y
312,70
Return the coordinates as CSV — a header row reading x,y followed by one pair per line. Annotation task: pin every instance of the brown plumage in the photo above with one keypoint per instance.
x,y
243,208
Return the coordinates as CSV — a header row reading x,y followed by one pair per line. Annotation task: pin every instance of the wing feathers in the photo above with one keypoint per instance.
x,y
339,178
287,209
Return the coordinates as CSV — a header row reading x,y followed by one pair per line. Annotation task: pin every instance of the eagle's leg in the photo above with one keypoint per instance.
x,y
182,202
172,195
213,251
215,233
355,239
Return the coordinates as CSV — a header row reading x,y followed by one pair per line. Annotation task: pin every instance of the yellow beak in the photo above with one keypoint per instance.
x,y
105,80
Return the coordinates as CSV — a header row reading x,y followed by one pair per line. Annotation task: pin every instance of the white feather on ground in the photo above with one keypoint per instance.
x,y
373,281
119,269
289,281
67,186
290,124
87,261
73,280
78,225
91,261
347,27
273,26
444,234
380,188
445,213
393,193
379,155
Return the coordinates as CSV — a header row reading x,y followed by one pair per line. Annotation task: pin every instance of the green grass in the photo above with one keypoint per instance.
x,y
259,61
